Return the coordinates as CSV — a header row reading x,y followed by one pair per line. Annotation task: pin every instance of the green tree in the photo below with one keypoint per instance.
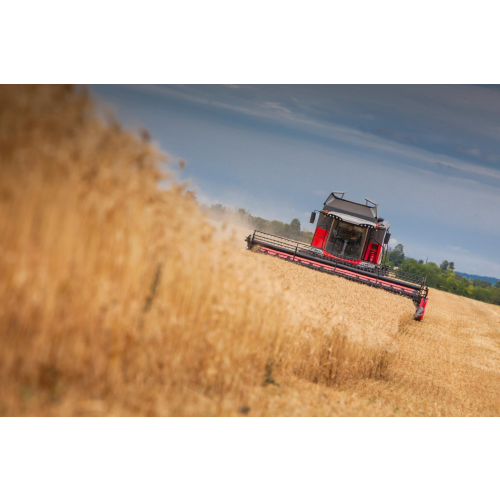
x,y
481,283
482,294
295,226
462,285
444,265
397,255
278,228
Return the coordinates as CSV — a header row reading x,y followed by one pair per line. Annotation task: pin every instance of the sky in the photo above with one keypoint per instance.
x,y
429,155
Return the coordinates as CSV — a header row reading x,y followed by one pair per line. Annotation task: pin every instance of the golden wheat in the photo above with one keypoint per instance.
x,y
115,296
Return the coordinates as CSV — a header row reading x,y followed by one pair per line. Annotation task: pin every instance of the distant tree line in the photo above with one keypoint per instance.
x,y
276,227
444,277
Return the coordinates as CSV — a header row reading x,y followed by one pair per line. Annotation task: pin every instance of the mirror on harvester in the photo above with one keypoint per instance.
x,y
387,238
313,217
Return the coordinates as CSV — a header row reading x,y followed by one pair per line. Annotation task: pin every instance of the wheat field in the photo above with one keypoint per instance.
x,y
121,298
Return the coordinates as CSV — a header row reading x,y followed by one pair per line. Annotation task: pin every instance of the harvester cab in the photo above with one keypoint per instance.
x,y
350,240
351,231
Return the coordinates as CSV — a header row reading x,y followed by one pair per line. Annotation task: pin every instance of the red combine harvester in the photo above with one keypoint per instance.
x,y
350,241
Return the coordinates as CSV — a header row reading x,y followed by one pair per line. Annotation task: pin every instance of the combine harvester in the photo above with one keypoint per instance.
x,y
350,241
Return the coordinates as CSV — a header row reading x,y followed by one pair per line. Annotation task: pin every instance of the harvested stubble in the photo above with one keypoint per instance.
x,y
116,298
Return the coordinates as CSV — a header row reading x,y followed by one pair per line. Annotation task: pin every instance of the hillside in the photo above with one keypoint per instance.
x,y
105,310
478,277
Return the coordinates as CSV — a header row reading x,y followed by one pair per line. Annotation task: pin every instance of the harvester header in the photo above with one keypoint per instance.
x,y
350,240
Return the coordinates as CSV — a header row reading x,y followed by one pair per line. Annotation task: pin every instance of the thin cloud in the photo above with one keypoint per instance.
x,y
493,158
337,132
276,106
470,151
458,249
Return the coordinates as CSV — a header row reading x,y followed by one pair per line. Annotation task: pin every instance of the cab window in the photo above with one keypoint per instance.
x,y
346,240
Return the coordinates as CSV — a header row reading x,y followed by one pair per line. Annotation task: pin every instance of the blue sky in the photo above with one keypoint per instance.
x,y
429,155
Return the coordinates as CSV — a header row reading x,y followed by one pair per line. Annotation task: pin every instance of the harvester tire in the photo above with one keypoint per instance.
x,y
419,314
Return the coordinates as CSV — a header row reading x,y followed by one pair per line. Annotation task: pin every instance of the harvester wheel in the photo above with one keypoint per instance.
x,y
419,314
